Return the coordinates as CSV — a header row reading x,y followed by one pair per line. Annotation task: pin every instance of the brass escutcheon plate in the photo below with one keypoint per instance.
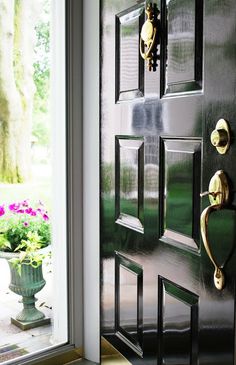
x,y
219,189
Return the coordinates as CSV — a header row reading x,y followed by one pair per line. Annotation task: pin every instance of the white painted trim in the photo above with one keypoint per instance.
x,y
91,16
75,167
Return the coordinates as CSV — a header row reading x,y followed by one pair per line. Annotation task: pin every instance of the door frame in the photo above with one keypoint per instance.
x,y
91,178
82,158
83,121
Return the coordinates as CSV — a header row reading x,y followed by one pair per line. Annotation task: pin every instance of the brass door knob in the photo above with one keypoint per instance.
x,y
220,137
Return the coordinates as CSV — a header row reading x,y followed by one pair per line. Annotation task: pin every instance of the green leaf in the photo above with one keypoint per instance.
x,y
4,243
23,255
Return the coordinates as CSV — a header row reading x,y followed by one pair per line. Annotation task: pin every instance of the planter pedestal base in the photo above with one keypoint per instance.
x,y
26,283
29,325
29,317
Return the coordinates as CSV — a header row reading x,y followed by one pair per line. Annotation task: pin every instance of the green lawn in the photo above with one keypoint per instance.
x,y
39,188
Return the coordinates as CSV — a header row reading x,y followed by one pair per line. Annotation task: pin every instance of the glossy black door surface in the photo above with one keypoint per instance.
x,y
159,304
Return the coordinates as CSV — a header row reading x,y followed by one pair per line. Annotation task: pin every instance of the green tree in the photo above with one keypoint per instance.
x,y
18,19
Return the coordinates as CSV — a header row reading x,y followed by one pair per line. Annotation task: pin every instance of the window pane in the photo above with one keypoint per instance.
x,y
33,247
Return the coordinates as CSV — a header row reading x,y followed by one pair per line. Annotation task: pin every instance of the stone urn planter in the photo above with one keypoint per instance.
x,y
26,284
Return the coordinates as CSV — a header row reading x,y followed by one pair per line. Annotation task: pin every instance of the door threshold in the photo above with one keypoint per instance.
x,y
73,356
111,356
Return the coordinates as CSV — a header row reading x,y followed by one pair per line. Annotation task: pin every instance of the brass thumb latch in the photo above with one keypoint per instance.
x,y
149,37
219,197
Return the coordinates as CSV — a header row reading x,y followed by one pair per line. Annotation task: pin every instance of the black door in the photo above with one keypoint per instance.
x,y
168,291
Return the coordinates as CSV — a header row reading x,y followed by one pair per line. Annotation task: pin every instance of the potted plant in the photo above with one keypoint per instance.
x,y
24,239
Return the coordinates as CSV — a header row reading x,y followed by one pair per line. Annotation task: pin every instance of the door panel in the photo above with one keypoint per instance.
x,y
180,191
182,22
129,164
129,302
129,66
159,304
178,316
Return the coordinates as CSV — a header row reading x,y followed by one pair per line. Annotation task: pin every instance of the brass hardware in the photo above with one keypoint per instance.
x,y
218,197
219,189
219,279
148,37
220,137
110,355
212,193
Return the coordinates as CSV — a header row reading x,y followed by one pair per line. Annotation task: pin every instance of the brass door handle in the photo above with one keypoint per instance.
x,y
219,197
148,36
219,278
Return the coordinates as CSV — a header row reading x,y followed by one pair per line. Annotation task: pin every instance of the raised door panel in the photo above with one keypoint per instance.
x,y
129,302
129,64
178,324
129,177
180,191
182,45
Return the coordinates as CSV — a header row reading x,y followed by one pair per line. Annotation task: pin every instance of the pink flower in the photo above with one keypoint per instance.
x,y
26,224
20,211
45,217
2,210
28,210
14,206
33,213
25,203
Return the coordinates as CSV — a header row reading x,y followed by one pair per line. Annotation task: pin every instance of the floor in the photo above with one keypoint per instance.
x,y
30,340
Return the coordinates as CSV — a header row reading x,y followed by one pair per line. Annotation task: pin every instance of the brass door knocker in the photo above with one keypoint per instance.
x,y
149,37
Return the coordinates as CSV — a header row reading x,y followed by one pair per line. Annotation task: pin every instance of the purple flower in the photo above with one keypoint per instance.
x,y
14,206
45,217
2,210
26,224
